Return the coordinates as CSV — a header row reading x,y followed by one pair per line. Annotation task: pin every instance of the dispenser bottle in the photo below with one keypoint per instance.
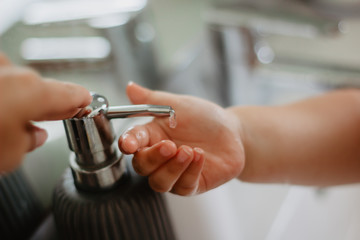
x,y
100,196
20,210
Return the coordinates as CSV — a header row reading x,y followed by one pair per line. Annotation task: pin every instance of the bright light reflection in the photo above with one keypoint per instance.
x,y
65,48
48,12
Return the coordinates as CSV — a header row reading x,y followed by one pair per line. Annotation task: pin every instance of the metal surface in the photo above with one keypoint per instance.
x,y
116,37
139,111
96,163
100,105
91,139
264,49
103,177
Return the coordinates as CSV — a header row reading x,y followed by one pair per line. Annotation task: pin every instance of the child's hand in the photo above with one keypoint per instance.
x,y
201,153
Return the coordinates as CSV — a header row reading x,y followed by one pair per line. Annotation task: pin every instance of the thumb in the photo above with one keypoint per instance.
x,y
141,95
37,136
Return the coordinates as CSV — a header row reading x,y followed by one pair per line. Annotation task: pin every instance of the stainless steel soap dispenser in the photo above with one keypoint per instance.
x,y
100,196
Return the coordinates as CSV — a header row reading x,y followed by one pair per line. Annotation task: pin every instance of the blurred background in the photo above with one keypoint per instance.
x,y
232,52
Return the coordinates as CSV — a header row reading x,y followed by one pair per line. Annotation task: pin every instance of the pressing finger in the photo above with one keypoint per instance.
x,y
149,159
164,178
60,100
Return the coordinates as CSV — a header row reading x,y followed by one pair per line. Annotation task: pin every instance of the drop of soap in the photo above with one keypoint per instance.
x,y
172,119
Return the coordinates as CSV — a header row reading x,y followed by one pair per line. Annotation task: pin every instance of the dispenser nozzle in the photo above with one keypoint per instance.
x,y
100,104
139,110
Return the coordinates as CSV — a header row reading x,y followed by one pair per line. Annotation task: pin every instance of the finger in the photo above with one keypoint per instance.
x,y
134,139
164,178
140,136
141,95
188,182
149,159
37,136
4,61
60,100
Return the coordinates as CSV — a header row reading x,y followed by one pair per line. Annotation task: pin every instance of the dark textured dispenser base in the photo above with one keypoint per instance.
x,y
20,210
130,211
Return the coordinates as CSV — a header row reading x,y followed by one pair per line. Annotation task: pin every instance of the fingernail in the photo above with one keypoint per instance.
x,y
165,151
197,156
198,153
130,83
140,136
129,143
183,155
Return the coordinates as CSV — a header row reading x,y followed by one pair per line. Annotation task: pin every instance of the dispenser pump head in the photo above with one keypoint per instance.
x,y
96,163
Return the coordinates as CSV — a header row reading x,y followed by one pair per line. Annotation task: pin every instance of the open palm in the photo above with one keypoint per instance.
x,y
201,153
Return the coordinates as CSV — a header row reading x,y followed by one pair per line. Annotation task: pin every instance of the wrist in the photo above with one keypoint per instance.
x,y
246,118
239,128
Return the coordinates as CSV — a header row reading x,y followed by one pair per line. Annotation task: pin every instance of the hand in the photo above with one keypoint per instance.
x,y
26,97
203,151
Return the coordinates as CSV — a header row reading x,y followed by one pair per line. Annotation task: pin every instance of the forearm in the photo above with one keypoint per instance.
x,y
312,142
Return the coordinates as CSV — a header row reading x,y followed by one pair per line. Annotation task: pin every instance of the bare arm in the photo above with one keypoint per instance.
x,y
312,142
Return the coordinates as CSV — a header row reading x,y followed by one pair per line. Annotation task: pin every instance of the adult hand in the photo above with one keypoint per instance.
x,y
24,97
203,151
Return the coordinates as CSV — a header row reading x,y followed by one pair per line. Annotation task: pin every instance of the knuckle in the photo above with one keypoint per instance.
x,y
21,76
27,75
31,80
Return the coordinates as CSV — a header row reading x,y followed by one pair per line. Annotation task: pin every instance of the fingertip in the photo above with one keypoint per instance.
x,y
188,149
167,148
198,154
128,144
85,94
76,96
185,153
77,90
188,183
130,84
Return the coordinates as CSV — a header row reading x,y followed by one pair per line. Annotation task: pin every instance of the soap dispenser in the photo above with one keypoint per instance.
x,y
100,196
